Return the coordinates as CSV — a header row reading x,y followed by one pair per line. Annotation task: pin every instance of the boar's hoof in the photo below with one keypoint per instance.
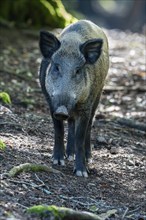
x,y
61,113
70,158
80,173
59,162
89,160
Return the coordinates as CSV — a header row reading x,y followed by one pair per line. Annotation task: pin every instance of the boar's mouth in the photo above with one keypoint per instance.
x,y
61,113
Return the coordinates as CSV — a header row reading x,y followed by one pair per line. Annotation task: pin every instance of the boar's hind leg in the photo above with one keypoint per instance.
x,y
88,134
58,153
80,134
70,149
87,143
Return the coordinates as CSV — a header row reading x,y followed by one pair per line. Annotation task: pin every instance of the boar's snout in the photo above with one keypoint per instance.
x,y
61,113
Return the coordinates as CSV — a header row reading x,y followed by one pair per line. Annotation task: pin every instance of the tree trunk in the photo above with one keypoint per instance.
x,y
35,13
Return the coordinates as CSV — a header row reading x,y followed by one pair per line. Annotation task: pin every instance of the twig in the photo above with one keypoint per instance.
x,y
123,88
132,124
83,203
26,183
10,123
23,206
33,185
75,199
136,209
41,181
125,213
47,190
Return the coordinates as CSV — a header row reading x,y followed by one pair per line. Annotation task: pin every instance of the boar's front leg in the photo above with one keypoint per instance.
x,y
59,151
81,125
70,148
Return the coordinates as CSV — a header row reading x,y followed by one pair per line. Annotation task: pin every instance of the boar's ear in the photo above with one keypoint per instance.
x,y
91,50
48,44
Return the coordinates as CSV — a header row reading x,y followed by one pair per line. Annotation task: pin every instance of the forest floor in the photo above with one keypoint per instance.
x,y
116,186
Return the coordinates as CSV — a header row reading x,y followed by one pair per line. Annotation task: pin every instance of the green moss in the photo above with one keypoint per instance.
x,y
5,97
43,210
27,167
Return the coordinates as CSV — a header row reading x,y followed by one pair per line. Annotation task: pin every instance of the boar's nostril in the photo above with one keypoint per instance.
x,y
61,113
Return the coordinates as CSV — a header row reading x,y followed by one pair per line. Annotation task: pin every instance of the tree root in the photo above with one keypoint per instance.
x,y
27,167
132,124
61,213
137,88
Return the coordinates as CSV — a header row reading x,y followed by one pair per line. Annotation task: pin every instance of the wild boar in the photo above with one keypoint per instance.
x,y
72,75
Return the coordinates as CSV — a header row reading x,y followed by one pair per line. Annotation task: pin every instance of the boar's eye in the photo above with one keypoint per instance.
x,y
78,70
56,67
55,70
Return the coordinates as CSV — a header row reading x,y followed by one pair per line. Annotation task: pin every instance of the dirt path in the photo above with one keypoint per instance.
x,y
118,173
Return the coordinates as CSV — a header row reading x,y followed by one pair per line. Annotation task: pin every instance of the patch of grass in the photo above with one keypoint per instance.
x,y
2,145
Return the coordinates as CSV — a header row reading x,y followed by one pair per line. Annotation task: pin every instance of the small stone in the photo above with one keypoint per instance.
x,y
97,146
114,150
137,163
113,141
110,141
130,163
92,146
108,147
101,140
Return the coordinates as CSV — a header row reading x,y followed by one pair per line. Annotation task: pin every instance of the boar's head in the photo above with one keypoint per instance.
x,y
68,78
